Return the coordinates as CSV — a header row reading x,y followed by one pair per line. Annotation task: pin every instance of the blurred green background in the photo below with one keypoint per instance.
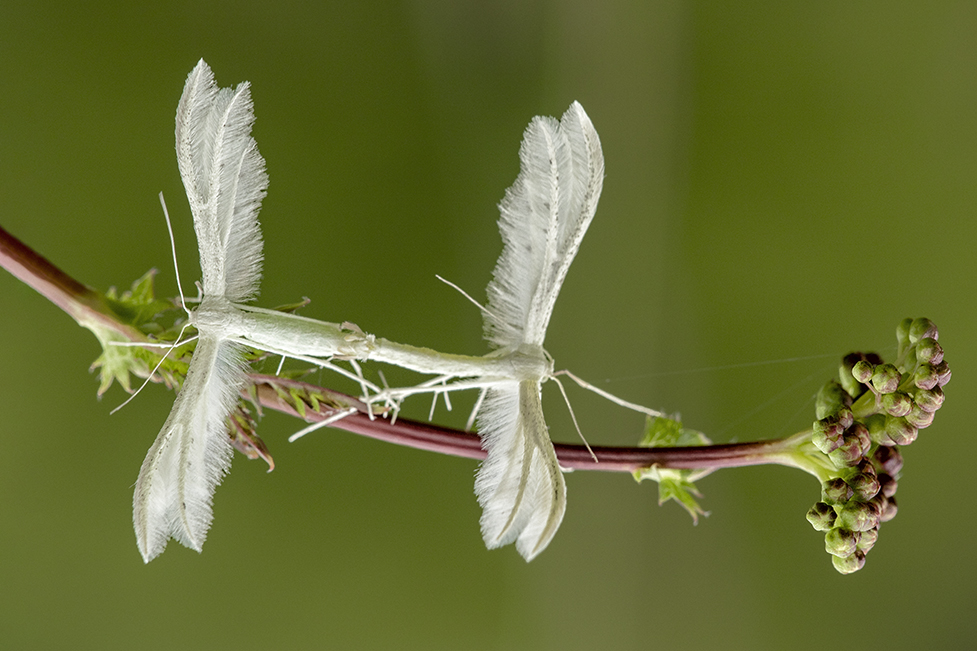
x,y
785,182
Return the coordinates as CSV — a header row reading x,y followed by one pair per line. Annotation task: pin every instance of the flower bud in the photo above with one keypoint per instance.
x,y
943,370
864,486
887,483
836,491
876,429
922,328
849,453
850,563
897,404
863,371
899,431
867,540
930,400
888,507
852,386
822,516
831,399
926,376
919,418
827,434
858,516
868,467
929,351
886,378
859,433
889,460
840,542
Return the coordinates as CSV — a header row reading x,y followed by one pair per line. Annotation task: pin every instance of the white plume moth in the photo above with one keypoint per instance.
x,y
544,217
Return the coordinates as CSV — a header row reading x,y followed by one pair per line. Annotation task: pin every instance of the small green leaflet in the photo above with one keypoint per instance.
x,y
662,432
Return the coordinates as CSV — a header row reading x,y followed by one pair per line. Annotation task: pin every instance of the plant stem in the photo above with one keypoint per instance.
x,y
425,436
82,303
90,310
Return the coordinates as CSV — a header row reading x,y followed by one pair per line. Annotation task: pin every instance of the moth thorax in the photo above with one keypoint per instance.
x,y
212,313
531,362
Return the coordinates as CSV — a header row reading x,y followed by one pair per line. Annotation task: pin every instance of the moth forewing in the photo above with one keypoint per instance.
x,y
578,171
225,179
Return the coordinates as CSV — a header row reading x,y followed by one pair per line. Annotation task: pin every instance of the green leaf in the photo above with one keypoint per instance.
x,y
673,484
139,306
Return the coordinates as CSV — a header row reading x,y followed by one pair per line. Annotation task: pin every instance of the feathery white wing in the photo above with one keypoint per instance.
x,y
544,216
520,485
225,179
191,454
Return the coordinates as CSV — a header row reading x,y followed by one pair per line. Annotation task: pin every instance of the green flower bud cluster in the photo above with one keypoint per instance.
x,y
863,419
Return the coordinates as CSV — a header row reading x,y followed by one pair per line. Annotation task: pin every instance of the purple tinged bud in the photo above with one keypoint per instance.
x,y
849,564
849,453
858,516
943,370
889,509
822,517
840,542
863,371
868,468
900,431
922,328
889,460
848,382
827,434
845,417
930,400
926,376
919,419
887,484
876,429
831,399
867,540
836,491
929,351
897,404
865,486
886,378
860,433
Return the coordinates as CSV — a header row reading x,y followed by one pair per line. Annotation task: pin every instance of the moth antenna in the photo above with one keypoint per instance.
x,y
176,267
573,417
481,307
608,396
156,368
278,371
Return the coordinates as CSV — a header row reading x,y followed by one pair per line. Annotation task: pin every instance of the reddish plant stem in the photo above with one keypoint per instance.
x,y
86,305
425,436
80,302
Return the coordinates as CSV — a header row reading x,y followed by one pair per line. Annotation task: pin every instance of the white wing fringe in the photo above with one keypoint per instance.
x,y
191,455
519,485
